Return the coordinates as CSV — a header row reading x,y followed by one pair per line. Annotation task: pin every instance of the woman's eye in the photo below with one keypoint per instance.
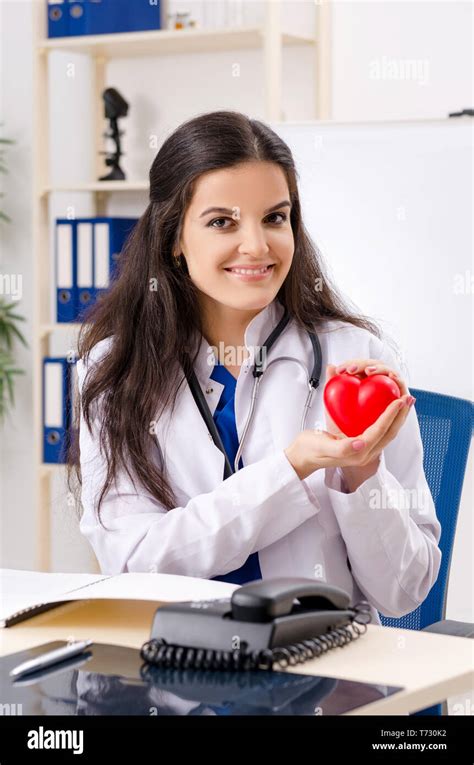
x,y
283,217
216,220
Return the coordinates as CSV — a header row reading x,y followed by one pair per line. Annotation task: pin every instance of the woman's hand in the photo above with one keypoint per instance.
x,y
358,456
354,476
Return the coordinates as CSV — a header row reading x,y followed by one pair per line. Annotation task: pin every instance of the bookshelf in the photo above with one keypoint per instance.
x,y
269,38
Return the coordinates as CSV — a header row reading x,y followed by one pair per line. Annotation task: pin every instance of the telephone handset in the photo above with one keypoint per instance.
x,y
272,621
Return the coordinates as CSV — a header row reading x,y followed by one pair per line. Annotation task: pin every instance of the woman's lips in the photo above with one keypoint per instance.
x,y
251,277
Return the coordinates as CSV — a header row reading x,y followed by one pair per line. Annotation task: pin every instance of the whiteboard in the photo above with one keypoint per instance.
x,y
389,205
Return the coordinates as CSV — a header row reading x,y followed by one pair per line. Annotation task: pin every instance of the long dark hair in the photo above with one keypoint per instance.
x,y
154,330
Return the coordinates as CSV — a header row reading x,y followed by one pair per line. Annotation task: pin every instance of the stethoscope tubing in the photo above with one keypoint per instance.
x,y
258,370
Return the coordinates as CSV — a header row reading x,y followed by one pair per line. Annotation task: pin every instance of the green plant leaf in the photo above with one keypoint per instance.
x,y
20,337
9,330
6,306
6,338
11,391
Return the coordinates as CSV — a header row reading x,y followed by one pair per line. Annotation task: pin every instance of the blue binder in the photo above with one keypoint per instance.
x,y
65,270
110,235
85,292
86,256
58,19
56,396
78,13
96,17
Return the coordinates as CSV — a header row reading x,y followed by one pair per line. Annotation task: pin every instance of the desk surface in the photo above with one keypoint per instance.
x,y
431,667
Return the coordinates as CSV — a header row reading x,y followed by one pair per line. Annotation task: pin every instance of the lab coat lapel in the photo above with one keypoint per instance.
x,y
191,458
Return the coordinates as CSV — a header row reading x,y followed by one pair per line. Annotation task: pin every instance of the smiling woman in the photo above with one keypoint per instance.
x,y
219,259
218,164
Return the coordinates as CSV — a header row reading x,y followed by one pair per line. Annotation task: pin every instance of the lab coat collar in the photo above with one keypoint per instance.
x,y
257,331
262,325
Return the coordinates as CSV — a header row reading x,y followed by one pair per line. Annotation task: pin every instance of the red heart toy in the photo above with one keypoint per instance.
x,y
355,403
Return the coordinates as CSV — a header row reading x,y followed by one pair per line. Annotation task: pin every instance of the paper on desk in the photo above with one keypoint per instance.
x,y
159,587
22,592
20,589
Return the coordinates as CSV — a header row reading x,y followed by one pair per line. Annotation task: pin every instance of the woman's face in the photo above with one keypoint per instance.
x,y
253,231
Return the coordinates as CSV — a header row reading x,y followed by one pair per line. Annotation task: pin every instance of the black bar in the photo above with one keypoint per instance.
x,y
153,738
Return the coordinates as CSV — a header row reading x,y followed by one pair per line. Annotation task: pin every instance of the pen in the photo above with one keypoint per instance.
x,y
56,669
50,657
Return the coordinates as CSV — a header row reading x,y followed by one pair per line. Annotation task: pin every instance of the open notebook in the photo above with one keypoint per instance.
x,y
26,593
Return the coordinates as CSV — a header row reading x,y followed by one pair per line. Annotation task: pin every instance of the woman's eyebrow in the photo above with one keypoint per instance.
x,y
285,203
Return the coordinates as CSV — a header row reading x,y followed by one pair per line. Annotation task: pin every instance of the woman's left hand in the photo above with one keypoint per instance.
x,y
355,476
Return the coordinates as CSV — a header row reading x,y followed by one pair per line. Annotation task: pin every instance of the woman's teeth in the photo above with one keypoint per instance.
x,y
249,270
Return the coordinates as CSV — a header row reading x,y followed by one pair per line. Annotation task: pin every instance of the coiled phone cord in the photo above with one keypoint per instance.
x,y
158,652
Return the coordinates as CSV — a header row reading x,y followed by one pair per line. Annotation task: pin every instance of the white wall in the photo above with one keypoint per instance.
x,y
435,34
403,59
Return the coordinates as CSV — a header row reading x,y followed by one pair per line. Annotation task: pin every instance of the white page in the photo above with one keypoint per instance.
x,y
20,589
157,587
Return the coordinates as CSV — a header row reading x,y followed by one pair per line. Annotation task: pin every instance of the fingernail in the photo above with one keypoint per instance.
x,y
341,369
411,401
358,445
371,369
352,368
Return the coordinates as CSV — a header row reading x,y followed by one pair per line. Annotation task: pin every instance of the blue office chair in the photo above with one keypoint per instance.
x,y
446,425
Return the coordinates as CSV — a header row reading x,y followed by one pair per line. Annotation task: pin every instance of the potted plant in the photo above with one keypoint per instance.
x,y
8,328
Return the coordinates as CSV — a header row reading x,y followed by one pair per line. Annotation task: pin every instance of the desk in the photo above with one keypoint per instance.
x,y
431,667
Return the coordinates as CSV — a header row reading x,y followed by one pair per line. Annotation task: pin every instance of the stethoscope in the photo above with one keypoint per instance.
x,y
258,371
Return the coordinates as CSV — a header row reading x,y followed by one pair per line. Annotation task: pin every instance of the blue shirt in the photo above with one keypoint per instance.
x,y
224,417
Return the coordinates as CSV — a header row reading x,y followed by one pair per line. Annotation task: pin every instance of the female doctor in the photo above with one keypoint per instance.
x,y
221,309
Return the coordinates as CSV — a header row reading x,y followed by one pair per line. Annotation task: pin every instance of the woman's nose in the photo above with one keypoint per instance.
x,y
254,240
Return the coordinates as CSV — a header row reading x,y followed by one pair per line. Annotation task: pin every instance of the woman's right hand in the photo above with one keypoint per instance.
x,y
315,449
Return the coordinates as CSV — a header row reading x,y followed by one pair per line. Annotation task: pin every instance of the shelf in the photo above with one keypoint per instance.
x,y
99,187
47,468
165,41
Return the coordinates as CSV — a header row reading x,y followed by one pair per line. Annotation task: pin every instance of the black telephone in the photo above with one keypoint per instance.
x,y
259,626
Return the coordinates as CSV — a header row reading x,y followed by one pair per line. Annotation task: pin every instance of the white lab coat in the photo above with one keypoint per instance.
x,y
306,528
